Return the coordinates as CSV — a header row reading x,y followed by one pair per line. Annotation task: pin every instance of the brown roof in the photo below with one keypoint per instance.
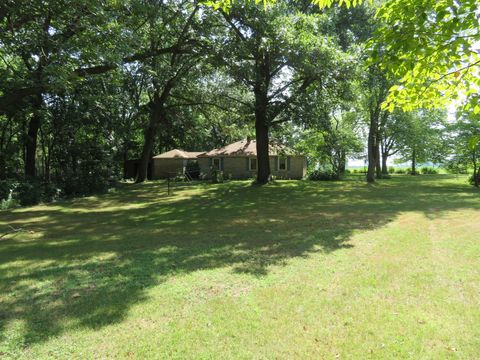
x,y
178,154
244,148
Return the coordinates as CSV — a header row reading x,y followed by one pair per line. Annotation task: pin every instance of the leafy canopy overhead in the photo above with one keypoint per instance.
x,y
433,47
226,4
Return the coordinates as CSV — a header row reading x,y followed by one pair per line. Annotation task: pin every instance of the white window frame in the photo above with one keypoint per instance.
x,y
286,163
250,164
219,164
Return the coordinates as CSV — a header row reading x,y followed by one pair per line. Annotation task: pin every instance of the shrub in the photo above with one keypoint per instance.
x,y
322,175
428,170
217,176
6,189
8,203
34,191
454,167
50,192
28,192
400,171
410,172
347,172
391,170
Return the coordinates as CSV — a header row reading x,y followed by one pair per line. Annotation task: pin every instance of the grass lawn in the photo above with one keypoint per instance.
x,y
292,270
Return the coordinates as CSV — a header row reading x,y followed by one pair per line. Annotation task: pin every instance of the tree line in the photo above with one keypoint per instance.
x,y
86,86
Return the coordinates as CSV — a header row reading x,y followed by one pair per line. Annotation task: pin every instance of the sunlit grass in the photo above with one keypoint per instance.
x,y
290,270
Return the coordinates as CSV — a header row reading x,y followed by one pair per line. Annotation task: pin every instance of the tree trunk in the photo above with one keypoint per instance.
x,y
414,162
378,169
476,173
32,137
125,161
384,163
150,134
3,167
263,163
261,132
371,150
342,163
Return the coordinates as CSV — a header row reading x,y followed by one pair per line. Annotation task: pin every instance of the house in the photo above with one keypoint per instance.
x,y
171,163
239,161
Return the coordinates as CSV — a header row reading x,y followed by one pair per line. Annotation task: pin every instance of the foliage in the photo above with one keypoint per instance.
x,y
464,145
420,137
28,193
432,47
32,192
6,188
216,176
323,175
428,170
456,165
227,4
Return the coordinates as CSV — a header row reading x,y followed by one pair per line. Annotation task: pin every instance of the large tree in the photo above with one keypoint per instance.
x,y
47,46
277,55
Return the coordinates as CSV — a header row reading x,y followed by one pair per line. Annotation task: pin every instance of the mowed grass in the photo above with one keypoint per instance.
x,y
322,270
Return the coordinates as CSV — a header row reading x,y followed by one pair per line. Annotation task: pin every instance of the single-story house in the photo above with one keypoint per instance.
x,y
171,163
239,161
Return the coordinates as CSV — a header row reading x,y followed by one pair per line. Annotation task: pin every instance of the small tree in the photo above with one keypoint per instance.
x,y
465,145
420,139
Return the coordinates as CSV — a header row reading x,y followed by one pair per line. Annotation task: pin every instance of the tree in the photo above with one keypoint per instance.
x,y
390,136
45,47
277,55
465,145
432,48
420,137
374,93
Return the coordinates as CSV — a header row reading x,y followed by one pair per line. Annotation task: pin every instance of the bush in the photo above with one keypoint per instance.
x,y
28,192
323,175
50,192
6,189
453,167
428,170
391,170
400,171
34,191
347,172
8,204
217,176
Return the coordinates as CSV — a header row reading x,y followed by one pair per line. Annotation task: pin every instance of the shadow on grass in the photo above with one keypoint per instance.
x,y
89,260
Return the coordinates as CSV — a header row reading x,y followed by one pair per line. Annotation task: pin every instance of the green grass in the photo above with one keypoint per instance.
x,y
292,270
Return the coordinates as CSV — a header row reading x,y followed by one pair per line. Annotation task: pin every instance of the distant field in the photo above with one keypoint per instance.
x,y
297,269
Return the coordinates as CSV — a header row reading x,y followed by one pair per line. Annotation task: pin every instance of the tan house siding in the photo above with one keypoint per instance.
x,y
296,170
164,167
238,168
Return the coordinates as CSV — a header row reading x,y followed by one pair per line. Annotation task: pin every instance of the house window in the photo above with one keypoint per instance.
x,y
252,164
282,163
216,164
